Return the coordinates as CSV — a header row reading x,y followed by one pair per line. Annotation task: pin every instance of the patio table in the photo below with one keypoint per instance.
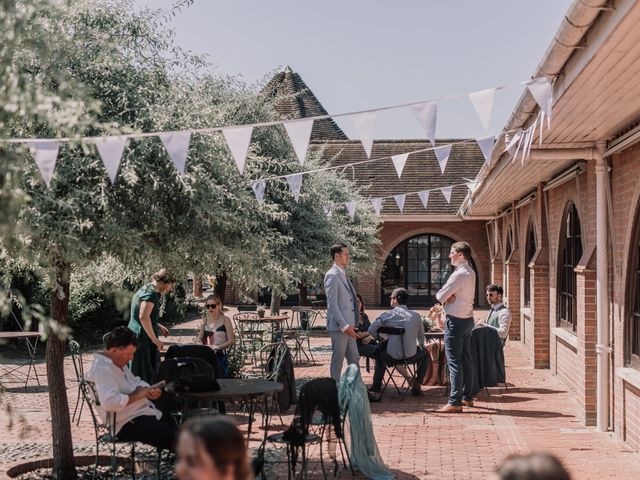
x,y
31,339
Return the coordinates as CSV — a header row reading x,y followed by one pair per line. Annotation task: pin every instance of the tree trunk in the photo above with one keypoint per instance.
x,y
221,285
63,464
275,302
303,300
197,287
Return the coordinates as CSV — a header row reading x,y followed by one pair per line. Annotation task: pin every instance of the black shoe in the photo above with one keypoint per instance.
x,y
416,392
374,396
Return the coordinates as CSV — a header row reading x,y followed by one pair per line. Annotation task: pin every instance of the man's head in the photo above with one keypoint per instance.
x,y
494,294
119,345
460,253
340,254
399,297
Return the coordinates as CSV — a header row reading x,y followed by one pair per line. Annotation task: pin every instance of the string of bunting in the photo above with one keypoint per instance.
x,y
238,137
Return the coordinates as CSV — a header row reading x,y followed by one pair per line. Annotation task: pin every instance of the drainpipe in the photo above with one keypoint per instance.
x,y
603,347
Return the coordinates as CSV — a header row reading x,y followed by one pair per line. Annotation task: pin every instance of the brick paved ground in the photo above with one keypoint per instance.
x,y
536,413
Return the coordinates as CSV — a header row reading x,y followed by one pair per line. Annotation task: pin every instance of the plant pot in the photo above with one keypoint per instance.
x,y
260,313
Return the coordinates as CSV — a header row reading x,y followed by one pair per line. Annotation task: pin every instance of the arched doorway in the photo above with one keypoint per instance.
x,y
421,265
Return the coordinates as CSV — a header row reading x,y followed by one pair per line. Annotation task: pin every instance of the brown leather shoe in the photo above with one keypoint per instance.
x,y
467,403
450,409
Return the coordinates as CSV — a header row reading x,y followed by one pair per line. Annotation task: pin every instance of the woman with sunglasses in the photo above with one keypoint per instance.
x,y
216,330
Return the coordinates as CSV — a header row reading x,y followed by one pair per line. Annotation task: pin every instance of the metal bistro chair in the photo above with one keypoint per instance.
x,y
392,365
78,367
250,332
105,433
302,335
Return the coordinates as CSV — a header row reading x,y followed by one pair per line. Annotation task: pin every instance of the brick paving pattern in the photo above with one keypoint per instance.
x,y
536,413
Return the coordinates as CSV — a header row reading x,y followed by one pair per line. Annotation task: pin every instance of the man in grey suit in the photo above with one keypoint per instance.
x,y
342,312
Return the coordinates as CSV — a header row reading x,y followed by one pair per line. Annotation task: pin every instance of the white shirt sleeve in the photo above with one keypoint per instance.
x,y
109,395
449,288
504,320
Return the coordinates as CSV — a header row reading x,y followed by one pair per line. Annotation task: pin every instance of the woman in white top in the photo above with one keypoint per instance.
x,y
216,330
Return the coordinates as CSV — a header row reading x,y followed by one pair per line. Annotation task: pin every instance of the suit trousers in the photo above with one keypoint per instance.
x,y
342,346
457,344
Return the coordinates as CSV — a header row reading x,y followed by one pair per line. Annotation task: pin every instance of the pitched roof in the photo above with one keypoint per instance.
x,y
296,100
421,172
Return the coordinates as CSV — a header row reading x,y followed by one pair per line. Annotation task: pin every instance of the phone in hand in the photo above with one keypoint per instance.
x,y
160,384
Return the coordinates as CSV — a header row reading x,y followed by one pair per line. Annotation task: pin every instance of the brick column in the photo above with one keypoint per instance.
x,y
512,294
539,341
496,271
586,332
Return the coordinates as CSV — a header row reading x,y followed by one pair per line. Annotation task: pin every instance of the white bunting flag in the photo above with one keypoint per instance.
x,y
424,198
377,205
525,143
483,103
486,147
295,183
365,125
427,114
299,132
472,186
258,187
238,139
443,156
328,211
542,92
514,140
520,140
400,201
177,145
111,150
399,161
45,154
541,127
351,209
446,192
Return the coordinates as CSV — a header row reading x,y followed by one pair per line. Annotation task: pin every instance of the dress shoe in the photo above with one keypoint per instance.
x,y
467,403
416,392
450,409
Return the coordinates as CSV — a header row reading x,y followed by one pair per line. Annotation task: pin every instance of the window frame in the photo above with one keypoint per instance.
x,y
531,249
632,320
570,251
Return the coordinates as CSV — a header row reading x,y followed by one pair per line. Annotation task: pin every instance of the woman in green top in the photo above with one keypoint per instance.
x,y
145,308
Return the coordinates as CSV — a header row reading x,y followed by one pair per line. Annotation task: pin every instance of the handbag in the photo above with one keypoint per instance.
x,y
196,383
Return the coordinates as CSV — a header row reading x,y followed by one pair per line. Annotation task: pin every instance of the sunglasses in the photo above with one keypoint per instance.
x,y
211,306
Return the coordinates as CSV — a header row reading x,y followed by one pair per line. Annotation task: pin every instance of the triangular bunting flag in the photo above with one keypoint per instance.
x,y
299,132
514,140
424,198
427,114
365,125
446,192
238,139
542,91
377,205
295,183
541,127
328,211
525,143
472,186
177,145
399,162
45,154
111,150
351,208
400,201
483,103
486,147
258,187
443,156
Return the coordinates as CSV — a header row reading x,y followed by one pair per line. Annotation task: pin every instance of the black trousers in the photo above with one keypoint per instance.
x,y
148,429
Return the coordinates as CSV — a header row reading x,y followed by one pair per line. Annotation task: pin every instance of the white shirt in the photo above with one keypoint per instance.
x,y
113,387
462,284
504,319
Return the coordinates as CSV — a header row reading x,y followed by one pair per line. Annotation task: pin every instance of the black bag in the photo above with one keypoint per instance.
x,y
196,383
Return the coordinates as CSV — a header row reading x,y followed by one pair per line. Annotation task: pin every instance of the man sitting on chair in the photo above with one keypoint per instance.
x,y
122,393
499,317
408,347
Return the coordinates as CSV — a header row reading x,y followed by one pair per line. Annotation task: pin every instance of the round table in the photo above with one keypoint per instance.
x,y
31,339
434,335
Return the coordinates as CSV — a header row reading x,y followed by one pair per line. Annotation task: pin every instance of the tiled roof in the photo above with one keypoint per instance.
x,y
421,172
296,100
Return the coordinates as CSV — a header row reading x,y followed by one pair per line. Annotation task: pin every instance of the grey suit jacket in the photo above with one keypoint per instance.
x,y
342,304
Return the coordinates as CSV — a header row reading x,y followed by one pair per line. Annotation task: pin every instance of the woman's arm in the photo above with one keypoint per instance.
x,y
231,336
145,320
201,331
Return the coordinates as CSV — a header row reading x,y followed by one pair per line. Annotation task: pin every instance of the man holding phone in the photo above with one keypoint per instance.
x,y
125,395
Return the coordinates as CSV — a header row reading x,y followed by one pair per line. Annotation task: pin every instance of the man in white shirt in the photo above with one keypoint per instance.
x,y
457,296
125,395
499,317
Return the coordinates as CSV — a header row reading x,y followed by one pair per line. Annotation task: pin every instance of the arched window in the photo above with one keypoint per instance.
x,y
421,265
530,252
570,252
633,323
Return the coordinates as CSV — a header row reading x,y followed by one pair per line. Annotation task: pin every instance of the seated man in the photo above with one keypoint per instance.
x,y
499,317
122,393
403,347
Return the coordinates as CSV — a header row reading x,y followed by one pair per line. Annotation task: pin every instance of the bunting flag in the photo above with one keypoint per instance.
x,y
472,185
424,198
400,200
177,146
377,205
525,143
365,125
513,140
328,211
542,92
442,153
541,127
446,192
295,183
486,147
299,132
399,162
351,209
238,139
427,114
519,145
258,187
483,104
45,154
111,150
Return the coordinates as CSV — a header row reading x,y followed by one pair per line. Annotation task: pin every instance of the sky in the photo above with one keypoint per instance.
x,y
358,54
